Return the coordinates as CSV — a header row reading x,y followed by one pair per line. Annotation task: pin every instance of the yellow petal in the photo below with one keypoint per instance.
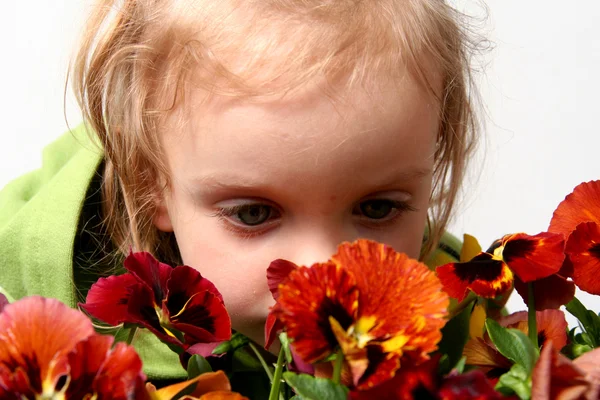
x,y
477,322
470,248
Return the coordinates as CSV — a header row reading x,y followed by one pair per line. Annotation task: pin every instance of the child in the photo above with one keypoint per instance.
x,y
236,132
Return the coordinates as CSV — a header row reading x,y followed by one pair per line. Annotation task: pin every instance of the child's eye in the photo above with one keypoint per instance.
x,y
253,214
248,218
381,209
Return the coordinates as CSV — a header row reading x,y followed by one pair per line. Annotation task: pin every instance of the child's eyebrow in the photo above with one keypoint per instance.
x,y
223,182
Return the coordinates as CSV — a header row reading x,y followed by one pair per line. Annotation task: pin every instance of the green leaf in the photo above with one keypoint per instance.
x,y
197,365
455,335
237,340
174,348
329,358
310,388
515,381
513,344
285,343
224,347
460,365
588,319
245,361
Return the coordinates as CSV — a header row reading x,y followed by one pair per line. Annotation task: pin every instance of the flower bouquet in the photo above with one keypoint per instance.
x,y
369,323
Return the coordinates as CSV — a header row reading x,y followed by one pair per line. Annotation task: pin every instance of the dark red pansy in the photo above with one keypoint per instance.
x,y
473,385
492,273
177,304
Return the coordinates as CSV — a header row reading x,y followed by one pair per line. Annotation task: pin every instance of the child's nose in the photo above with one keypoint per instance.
x,y
313,250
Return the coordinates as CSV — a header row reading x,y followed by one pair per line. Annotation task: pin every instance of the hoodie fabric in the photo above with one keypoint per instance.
x,y
42,241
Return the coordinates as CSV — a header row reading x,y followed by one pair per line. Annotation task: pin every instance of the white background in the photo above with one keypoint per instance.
x,y
541,90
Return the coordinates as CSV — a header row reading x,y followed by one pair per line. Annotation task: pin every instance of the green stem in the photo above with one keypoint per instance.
x,y
337,367
262,361
131,335
531,319
471,297
274,395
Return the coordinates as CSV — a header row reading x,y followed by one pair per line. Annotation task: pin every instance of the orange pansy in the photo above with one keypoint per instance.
x,y
582,205
376,304
48,350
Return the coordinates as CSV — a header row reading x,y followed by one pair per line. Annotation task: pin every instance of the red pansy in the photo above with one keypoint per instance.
x,y
517,257
177,304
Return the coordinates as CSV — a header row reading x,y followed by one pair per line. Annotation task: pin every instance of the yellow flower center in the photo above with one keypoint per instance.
x,y
360,330
498,253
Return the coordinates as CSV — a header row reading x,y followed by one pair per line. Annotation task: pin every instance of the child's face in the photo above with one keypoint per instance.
x,y
253,181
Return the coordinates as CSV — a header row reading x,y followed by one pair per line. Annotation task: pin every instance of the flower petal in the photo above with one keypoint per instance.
x,y
534,257
203,349
277,272
470,248
582,205
472,385
477,321
272,326
484,275
549,293
3,302
203,319
121,377
148,270
35,334
551,326
141,312
589,363
108,298
382,367
422,378
308,298
221,396
202,384
183,284
479,353
556,377
583,249
85,360
402,296
15,385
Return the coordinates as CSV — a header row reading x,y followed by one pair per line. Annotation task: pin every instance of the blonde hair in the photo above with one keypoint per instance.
x,y
137,56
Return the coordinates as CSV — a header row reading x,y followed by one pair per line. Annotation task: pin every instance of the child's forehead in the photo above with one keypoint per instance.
x,y
274,46
310,122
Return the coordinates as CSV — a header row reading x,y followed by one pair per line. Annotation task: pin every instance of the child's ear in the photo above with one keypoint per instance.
x,y
161,219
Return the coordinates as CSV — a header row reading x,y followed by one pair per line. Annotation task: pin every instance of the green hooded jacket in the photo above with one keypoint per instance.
x,y
40,220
